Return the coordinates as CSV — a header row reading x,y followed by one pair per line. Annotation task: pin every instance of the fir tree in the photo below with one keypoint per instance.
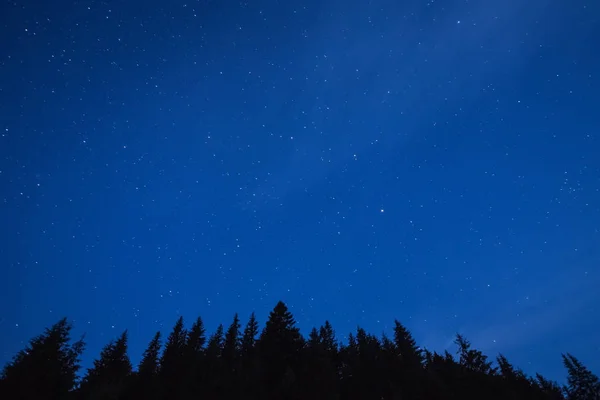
x,y
279,365
408,351
549,389
249,360
214,349
249,336
582,384
109,375
231,360
473,360
314,340
196,338
46,368
280,345
215,372
172,361
231,344
146,383
149,366
195,358
327,336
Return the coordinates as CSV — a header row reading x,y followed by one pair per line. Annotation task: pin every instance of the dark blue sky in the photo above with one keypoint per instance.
x,y
436,162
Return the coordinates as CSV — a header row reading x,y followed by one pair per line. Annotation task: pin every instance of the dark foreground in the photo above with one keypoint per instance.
x,y
277,363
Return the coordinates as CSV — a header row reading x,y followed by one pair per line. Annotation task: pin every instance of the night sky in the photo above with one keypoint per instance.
x,y
436,162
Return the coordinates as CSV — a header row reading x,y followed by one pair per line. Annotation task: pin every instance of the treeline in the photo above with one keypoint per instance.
x,y
277,363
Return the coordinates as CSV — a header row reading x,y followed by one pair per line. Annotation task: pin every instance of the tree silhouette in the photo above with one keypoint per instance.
x,y
195,358
231,344
108,377
280,344
146,380
549,390
215,371
473,360
149,365
249,336
319,376
46,368
280,364
231,359
172,361
196,338
249,359
582,384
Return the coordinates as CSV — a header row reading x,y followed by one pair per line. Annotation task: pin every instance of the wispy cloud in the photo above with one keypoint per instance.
x,y
408,73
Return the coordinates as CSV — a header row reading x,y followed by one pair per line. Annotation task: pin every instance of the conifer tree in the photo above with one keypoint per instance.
x,y
512,380
146,383
249,336
110,373
214,371
214,349
172,361
196,338
280,345
409,352
327,336
174,348
314,340
582,384
319,377
195,358
550,389
249,360
231,344
231,360
473,360
280,364
46,368
507,371
149,365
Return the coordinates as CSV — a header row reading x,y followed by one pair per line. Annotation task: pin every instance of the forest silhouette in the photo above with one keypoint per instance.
x,y
277,362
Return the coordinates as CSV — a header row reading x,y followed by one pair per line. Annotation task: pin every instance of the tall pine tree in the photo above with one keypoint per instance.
x,y
280,345
146,380
110,373
194,358
172,361
582,384
46,368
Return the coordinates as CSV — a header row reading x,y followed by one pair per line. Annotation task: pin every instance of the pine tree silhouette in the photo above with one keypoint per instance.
x,y
231,360
214,349
196,338
280,364
319,377
471,359
108,377
249,359
582,384
46,368
550,390
231,344
149,364
172,361
409,366
513,381
249,336
280,345
215,370
195,358
327,335
408,350
146,383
